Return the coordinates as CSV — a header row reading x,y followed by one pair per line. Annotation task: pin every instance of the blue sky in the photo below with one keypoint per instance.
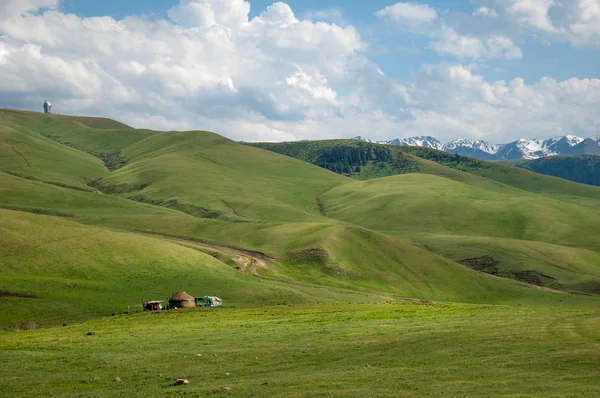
x,y
258,70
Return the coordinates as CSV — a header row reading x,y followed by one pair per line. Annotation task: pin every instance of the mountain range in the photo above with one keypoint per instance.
x,y
521,149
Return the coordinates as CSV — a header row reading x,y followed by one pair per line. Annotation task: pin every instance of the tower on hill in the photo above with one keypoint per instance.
x,y
47,107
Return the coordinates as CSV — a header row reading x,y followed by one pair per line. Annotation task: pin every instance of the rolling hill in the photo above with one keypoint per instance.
x,y
408,159
258,227
348,269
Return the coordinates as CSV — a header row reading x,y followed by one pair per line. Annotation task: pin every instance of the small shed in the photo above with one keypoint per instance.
x,y
182,300
208,301
152,305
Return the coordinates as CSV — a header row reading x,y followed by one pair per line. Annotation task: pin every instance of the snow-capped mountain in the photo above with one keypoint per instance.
x,y
535,149
482,146
525,149
359,138
427,141
589,146
563,144
473,148
521,149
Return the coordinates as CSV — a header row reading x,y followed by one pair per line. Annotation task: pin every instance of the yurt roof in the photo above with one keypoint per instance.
x,y
181,296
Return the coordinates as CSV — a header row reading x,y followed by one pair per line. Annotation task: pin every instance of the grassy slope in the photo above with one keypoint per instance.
x,y
204,171
30,155
209,171
349,258
421,203
78,272
41,198
37,120
460,168
572,268
410,350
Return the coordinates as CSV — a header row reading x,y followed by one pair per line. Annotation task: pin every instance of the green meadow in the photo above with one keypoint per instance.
x,y
383,350
345,268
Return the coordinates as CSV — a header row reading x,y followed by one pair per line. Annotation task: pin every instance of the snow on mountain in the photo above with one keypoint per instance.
x,y
573,140
479,145
360,138
566,145
523,148
425,141
533,149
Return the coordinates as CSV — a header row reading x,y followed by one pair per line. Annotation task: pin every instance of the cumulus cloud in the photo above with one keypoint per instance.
x,y
573,21
276,76
14,8
446,39
469,46
209,58
501,111
533,12
408,13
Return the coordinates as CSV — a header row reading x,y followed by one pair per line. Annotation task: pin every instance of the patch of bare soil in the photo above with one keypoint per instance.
x,y
250,264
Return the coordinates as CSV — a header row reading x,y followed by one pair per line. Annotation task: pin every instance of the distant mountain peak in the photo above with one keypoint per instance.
x,y
472,144
523,148
425,141
573,139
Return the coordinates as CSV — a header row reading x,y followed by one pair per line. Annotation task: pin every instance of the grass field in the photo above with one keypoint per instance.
x,y
315,350
474,278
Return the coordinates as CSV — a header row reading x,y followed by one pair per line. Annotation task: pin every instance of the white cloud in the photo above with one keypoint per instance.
x,y
451,99
211,58
584,22
469,46
207,13
446,38
277,76
408,12
316,86
14,8
502,47
533,13
573,21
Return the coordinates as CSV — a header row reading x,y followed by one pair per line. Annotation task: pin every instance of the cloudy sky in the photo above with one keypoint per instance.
x,y
255,70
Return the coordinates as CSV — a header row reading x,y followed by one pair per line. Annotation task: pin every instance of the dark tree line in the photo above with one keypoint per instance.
x,y
584,169
447,159
349,159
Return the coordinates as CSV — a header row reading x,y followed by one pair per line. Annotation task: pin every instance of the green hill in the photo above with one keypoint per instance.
x,y
431,204
29,155
57,270
274,224
584,169
398,159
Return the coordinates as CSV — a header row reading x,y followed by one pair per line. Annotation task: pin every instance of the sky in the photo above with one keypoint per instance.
x,y
258,70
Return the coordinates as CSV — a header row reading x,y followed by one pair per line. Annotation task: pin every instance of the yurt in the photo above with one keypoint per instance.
x,y
182,300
